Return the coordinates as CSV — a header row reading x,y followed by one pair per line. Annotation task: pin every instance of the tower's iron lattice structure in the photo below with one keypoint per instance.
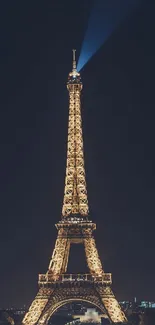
x,y
57,288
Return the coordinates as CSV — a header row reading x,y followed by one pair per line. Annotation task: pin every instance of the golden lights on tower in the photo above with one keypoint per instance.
x,y
56,287
75,201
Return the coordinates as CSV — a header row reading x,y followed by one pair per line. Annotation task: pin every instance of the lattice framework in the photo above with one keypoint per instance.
x,y
55,287
75,193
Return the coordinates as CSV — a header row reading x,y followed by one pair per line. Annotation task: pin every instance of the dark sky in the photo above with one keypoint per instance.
x,y
118,116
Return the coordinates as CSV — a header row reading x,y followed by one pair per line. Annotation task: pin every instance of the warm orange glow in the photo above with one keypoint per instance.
x,y
57,288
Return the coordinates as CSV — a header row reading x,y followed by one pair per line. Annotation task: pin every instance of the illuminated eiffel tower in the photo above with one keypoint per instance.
x,y
56,288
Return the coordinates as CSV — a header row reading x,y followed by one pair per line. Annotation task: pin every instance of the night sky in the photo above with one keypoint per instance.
x,y
118,109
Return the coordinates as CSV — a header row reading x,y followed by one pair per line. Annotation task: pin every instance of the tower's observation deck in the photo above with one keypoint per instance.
x,y
75,204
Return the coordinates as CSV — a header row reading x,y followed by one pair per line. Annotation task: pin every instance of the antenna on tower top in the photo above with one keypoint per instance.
x,y
74,60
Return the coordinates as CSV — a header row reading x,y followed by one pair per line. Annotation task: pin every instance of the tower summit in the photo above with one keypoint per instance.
x,y
75,203
56,287
74,62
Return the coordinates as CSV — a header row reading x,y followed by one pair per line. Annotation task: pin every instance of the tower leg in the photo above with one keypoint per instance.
x,y
37,307
65,261
58,263
93,260
111,305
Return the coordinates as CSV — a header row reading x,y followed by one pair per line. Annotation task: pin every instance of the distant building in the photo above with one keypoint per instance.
x,y
11,316
136,305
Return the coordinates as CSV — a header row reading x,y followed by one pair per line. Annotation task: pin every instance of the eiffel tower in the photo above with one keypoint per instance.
x,y
56,288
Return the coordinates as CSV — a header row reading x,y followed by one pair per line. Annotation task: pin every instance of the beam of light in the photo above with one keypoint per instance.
x,y
105,17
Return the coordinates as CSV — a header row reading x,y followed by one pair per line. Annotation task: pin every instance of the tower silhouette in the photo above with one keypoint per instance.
x,y
57,288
